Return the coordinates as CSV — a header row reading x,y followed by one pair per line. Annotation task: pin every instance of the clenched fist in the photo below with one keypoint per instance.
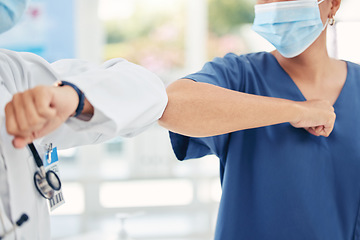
x,y
38,111
317,117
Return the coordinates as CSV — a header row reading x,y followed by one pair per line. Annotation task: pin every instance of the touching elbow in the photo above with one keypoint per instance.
x,y
178,114
171,114
164,120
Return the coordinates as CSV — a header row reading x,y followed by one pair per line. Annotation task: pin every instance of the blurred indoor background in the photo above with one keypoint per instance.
x,y
135,188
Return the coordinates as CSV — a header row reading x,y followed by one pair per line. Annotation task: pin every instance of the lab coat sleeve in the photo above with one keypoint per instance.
x,y
127,98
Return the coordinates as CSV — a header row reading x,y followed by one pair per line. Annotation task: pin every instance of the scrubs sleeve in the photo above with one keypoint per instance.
x,y
227,72
186,147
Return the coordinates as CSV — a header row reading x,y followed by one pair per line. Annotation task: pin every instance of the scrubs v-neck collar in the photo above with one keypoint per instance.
x,y
297,92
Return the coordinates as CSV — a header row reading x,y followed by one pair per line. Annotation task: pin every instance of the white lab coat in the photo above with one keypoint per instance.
x,y
126,97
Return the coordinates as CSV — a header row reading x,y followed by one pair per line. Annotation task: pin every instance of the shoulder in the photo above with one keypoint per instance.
x,y
353,66
236,64
353,71
245,60
245,65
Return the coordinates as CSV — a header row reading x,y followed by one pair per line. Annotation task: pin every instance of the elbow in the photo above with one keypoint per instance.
x,y
165,119
179,115
174,121
171,118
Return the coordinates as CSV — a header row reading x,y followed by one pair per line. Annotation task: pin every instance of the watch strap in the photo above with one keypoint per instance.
x,y
80,94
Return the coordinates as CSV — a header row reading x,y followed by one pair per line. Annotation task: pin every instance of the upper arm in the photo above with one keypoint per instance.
x,y
203,88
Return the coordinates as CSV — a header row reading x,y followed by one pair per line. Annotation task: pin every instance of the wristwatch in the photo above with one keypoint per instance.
x,y
81,95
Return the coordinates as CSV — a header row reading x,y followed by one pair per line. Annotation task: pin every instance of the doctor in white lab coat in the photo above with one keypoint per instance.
x,y
121,99
124,98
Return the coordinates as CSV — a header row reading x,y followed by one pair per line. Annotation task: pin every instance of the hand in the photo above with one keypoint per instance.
x,y
317,117
36,112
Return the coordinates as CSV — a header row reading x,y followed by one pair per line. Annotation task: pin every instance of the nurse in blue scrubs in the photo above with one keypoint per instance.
x,y
289,170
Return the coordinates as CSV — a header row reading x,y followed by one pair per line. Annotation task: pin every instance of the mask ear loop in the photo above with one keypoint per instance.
x,y
320,1
326,24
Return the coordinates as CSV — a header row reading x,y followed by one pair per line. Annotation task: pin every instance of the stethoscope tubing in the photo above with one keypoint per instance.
x,y
37,158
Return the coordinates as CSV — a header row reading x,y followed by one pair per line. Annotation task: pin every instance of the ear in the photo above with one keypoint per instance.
x,y
335,5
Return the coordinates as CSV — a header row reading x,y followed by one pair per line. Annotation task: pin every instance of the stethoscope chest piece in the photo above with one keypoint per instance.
x,y
48,184
53,180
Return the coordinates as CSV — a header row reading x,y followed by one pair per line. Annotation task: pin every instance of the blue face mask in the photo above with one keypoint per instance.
x,y
291,26
10,13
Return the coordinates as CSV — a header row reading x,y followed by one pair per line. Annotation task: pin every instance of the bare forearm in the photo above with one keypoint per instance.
x,y
200,110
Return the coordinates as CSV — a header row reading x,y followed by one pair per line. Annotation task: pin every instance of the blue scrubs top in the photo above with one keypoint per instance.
x,y
279,182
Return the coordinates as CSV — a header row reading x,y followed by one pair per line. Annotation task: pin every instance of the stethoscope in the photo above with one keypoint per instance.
x,y
18,223
46,182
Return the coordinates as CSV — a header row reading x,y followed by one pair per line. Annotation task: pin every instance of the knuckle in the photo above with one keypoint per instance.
x,y
27,93
7,107
16,97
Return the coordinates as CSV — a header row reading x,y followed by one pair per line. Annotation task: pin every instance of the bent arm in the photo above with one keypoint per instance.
x,y
202,110
124,98
129,97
